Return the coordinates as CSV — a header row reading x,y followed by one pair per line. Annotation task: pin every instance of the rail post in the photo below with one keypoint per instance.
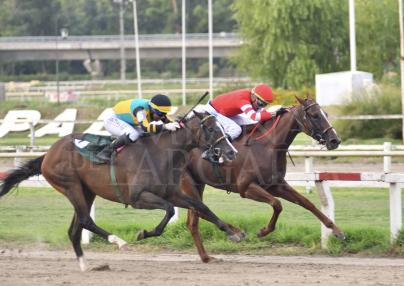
x,y
32,132
308,168
327,207
387,159
175,216
18,161
395,211
85,234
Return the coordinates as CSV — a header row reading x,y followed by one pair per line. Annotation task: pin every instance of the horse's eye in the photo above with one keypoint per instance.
x,y
210,129
315,116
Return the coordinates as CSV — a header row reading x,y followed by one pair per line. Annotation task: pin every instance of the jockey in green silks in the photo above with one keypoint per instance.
x,y
134,117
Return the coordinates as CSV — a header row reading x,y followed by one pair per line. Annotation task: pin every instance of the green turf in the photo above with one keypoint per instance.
x,y
42,215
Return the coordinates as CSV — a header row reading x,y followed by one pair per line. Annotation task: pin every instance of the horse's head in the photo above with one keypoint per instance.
x,y
314,122
209,136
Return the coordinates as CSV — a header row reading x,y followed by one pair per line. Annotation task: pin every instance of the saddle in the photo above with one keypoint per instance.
x,y
89,145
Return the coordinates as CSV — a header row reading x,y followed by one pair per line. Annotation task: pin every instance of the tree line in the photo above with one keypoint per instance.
x,y
286,42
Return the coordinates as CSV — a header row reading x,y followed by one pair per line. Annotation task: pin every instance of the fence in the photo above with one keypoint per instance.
x,y
97,88
321,180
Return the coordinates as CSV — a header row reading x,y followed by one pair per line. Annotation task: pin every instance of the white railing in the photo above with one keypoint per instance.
x,y
307,178
115,38
95,87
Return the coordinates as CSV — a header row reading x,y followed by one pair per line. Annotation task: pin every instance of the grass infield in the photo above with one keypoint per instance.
x,y
41,215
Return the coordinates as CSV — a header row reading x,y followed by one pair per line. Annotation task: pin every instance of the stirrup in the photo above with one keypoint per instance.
x,y
105,154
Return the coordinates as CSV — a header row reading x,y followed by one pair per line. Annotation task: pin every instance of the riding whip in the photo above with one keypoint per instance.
x,y
199,101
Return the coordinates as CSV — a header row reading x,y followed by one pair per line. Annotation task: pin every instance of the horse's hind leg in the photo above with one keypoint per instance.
x,y
150,201
75,231
286,192
80,199
85,220
256,193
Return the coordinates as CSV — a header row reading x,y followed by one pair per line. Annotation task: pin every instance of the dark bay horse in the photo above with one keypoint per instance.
x,y
148,172
259,171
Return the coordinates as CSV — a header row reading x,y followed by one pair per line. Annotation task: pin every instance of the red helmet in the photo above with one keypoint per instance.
x,y
263,92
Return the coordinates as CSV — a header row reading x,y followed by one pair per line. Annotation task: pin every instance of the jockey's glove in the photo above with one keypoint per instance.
x,y
281,110
172,126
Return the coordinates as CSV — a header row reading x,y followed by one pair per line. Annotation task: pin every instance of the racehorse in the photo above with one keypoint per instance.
x,y
259,171
148,172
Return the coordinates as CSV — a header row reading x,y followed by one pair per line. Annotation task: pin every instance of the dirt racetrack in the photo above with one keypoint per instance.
x,y
130,268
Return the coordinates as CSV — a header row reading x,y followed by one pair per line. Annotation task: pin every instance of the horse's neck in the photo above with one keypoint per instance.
x,y
179,140
283,134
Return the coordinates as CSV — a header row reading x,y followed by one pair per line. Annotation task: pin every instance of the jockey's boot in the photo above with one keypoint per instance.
x,y
105,154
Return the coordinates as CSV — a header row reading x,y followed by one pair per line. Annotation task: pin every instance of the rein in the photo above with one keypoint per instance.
x,y
268,132
210,146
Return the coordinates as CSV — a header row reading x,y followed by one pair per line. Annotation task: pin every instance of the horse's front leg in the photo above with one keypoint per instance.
x,y
150,201
257,193
285,191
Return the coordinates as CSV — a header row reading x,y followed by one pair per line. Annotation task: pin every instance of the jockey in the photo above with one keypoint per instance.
x,y
251,102
134,117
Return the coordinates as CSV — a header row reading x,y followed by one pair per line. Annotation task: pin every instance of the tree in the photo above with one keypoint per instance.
x,y
378,36
288,41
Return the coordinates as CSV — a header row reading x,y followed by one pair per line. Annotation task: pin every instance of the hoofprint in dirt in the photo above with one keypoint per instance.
x,y
128,268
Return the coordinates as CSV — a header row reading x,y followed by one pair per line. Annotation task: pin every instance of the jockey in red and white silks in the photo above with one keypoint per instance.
x,y
251,102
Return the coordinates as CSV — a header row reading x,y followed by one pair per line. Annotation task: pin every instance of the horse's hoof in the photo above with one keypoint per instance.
x,y
243,234
141,235
340,235
211,259
263,232
235,237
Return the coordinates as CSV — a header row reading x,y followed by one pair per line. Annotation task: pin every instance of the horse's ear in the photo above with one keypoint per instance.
x,y
301,101
198,114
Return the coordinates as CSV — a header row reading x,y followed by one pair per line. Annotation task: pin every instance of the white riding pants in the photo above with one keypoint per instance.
x,y
118,127
230,127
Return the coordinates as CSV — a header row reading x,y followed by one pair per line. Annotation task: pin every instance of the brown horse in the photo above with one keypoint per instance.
x,y
259,171
148,172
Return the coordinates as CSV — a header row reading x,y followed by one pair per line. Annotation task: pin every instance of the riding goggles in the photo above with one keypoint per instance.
x,y
261,103
158,113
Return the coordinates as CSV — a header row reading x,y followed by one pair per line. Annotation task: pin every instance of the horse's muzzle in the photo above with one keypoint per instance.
x,y
230,155
333,143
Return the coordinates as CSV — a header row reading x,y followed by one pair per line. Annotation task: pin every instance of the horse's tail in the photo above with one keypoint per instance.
x,y
30,168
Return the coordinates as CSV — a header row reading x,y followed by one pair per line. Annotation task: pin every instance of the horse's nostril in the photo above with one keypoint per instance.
x,y
335,141
231,153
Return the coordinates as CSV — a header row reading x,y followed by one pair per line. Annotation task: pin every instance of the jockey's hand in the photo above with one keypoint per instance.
x,y
172,126
281,110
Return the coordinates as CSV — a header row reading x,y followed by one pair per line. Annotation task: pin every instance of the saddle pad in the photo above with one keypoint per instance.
x,y
89,145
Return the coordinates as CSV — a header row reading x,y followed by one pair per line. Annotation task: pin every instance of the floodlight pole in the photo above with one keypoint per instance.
x,y
210,23
400,5
135,29
122,38
352,35
57,62
184,55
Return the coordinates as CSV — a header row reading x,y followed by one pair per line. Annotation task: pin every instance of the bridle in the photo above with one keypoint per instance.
x,y
210,147
315,132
